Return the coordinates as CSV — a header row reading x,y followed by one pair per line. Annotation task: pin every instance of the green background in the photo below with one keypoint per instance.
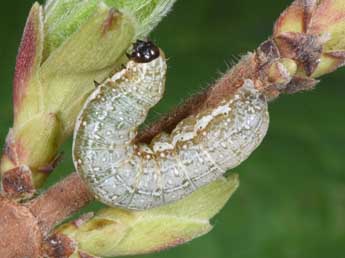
x,y
291,202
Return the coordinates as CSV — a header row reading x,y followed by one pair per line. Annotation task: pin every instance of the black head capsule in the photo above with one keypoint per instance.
x,y
144,52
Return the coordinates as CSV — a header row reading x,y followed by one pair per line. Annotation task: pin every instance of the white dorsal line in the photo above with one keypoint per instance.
x,y
196,153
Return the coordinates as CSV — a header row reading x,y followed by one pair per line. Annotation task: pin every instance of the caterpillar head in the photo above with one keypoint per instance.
x,y
144,52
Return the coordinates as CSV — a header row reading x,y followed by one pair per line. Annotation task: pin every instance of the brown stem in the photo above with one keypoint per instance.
x,y
60,202
20,234
24,227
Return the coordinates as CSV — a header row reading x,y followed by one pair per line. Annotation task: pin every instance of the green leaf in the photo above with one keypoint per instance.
x,y
89,54
64,17
116,232
26,85
35,143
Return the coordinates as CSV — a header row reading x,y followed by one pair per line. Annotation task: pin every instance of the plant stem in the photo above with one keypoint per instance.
x,y
60,202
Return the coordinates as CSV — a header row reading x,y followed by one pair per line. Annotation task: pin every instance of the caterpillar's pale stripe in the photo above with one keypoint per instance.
x,y
200,149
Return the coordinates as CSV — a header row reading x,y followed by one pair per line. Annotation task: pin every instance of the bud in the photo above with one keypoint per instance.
x,y
316,28
66,46
115,232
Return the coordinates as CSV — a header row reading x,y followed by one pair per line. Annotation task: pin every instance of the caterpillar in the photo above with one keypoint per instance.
x,y
199,150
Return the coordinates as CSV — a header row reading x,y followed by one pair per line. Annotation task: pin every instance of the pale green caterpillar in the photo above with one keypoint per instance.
x,y
199,150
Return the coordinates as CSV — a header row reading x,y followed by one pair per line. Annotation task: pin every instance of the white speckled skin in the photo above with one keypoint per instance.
x,y
200,149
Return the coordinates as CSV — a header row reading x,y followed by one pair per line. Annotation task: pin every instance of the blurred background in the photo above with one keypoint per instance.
x,y
291,202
